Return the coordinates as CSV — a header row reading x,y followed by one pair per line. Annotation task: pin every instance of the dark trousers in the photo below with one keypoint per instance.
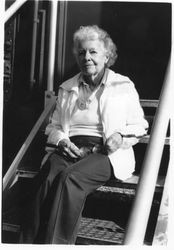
x,y
56,210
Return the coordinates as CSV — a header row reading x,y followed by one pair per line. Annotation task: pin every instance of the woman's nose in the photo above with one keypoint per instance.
x,y
87,55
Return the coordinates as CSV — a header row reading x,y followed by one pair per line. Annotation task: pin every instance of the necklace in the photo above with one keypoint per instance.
x,y
86,98
83,104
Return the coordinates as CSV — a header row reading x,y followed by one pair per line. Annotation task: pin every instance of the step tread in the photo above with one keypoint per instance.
x,y
127,187
133,180
10,227
145,139
100,231
95,230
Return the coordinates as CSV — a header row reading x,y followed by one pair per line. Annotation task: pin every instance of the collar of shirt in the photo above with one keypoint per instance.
x,y
83,83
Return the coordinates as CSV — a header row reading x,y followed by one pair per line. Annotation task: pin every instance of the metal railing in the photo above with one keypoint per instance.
x,y
9,176
52,45
52,37
139,216
13,9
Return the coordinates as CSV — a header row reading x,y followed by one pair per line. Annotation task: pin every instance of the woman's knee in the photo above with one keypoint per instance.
x,y
57,164
64,174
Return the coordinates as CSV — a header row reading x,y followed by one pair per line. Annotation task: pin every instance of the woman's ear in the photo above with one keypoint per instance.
x,y
106,58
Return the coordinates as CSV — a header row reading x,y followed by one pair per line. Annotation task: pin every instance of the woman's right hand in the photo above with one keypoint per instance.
x,y
67,148
113,143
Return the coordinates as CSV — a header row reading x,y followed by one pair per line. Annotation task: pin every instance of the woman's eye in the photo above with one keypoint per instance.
x,y
81,53
93,52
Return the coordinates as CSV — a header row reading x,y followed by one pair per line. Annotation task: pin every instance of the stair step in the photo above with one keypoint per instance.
x,y
146,138
112,190
147,103
99,232
116,185
10,227
91,231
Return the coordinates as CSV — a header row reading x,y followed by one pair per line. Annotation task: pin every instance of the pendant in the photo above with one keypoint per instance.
x,y
82,105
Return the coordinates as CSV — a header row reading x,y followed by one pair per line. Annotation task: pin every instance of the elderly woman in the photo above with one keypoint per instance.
x,y
97,120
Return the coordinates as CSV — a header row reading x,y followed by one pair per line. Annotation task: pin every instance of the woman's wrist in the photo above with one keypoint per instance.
x,y
121,137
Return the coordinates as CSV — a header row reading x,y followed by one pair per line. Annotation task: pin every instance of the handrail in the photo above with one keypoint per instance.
x,y
34,42
52,45
42,46
9,176
138,219
13,9
62,29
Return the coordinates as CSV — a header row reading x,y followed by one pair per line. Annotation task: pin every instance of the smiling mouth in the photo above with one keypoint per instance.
x,y
88,65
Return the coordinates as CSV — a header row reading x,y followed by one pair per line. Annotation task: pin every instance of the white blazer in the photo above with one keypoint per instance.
x,y
120,111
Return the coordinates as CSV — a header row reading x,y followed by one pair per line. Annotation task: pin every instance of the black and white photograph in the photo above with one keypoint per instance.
x,y
87,123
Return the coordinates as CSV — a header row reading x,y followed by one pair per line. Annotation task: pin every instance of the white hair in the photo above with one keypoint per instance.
x,y
93,32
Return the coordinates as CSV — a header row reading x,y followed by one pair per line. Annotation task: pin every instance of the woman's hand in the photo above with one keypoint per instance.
x,y
67,148
113,143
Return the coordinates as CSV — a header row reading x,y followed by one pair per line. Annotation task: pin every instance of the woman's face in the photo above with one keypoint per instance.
x,y
91,57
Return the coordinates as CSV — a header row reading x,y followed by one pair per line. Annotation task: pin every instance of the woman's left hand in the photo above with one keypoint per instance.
x,y
113,143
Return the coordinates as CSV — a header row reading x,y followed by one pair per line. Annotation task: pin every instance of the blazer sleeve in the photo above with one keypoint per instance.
x,y
54,129
136,125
